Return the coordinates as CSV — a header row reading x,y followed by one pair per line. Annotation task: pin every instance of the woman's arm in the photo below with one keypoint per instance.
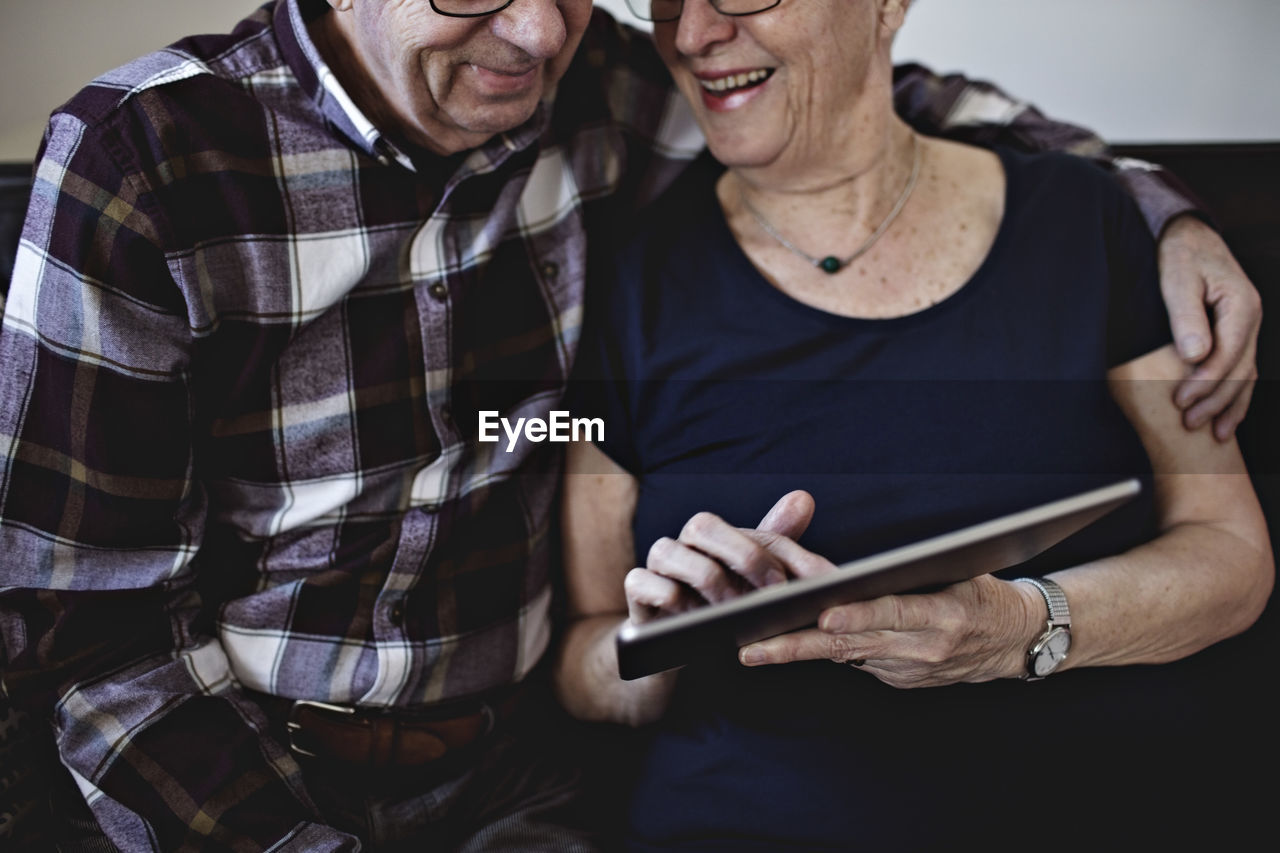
x,y
1206,577
1209,573
597,505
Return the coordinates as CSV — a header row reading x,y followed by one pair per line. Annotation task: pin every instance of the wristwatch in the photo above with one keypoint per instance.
x,y
1050,649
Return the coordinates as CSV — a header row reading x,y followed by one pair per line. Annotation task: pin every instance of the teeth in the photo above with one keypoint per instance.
x,y
734,81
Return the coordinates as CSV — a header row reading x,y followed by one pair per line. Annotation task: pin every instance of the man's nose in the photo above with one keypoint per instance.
x,y
535,26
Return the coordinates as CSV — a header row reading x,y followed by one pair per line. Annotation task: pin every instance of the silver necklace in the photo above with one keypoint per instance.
x,y
831,264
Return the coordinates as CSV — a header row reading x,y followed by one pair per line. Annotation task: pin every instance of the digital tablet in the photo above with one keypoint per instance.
x,y
990,546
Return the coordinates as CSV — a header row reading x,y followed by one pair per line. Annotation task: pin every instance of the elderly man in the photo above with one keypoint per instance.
x,y
258,568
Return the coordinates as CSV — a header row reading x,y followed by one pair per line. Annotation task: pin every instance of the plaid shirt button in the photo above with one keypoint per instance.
x,y
438,291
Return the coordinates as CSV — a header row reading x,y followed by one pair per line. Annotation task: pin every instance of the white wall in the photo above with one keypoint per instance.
x,y
50,48
1134,70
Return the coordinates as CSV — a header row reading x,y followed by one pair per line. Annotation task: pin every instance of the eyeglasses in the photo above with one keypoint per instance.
x,y
468,8
661,11
658,11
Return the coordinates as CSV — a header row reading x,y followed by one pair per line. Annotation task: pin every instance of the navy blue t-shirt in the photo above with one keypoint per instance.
x,y
719,392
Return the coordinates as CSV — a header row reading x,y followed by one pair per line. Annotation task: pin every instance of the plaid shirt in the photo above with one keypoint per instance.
x,y
243,354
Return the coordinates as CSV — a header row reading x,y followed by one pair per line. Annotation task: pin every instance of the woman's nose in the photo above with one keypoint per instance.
x,y
700,26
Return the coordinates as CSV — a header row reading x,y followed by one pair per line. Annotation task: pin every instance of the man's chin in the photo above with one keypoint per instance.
x,y
495,116
471,122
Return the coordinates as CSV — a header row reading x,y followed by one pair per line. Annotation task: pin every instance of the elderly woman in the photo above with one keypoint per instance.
x,y
897,335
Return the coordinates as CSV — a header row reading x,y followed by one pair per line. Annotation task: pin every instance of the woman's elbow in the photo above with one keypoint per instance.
x,y
1250,553
1261,583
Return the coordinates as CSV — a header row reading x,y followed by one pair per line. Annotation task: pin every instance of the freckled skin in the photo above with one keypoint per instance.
x,y
832,80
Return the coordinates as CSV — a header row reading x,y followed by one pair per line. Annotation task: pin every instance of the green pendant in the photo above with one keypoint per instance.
x,y
830,264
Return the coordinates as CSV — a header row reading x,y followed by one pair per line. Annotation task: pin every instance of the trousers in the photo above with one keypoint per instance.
x,y
519,789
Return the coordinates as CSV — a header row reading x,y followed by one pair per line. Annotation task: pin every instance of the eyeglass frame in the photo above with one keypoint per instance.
x,y
439,11
714,3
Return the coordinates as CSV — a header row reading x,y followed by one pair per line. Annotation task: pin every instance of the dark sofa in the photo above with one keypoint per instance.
x,y
1239,185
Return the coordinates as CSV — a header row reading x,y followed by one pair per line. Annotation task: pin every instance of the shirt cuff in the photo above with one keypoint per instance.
x,y
1161,196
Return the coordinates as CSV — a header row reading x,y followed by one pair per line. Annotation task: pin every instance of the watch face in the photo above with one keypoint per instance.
x,y
1052,651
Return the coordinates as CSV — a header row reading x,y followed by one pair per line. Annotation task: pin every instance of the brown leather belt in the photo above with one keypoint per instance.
x,y
390,738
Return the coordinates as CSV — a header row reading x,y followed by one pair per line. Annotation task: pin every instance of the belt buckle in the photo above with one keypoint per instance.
x,y
293,726
490,719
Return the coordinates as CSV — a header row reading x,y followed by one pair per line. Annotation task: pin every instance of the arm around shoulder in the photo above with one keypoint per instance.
x,y
1215,309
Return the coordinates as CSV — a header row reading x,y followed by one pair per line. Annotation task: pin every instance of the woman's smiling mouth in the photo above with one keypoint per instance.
x,y
723,91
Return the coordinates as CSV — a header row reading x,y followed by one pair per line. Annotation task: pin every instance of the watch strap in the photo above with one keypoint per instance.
x,y
1054,598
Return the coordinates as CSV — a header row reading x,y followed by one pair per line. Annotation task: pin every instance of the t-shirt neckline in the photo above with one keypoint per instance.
x,y
740,267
